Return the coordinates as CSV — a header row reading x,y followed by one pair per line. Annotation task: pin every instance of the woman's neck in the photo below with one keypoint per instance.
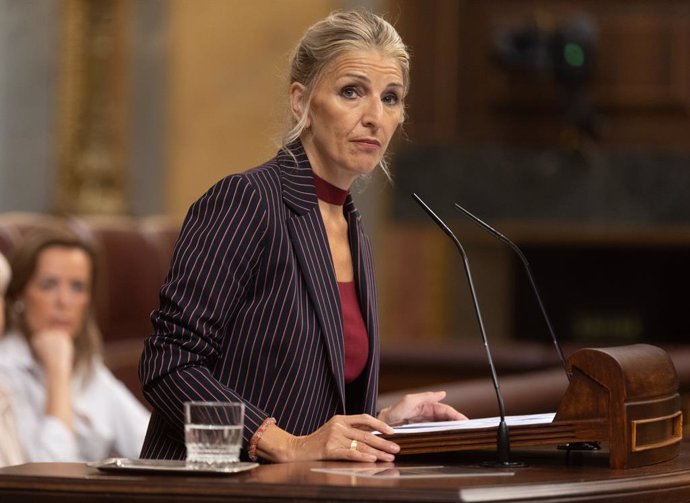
x,y
336,177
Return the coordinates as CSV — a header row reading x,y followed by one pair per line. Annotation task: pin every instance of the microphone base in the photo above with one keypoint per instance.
x,y
503,464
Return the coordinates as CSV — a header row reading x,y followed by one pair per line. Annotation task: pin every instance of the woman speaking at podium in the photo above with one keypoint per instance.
x,y
270,298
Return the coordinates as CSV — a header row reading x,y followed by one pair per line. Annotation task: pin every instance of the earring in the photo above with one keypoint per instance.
x,y
18,307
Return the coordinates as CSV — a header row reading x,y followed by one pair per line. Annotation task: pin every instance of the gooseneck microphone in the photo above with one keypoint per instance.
x,y
502,434
528,270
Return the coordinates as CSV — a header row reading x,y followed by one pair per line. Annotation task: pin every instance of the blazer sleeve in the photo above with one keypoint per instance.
x,y
215,260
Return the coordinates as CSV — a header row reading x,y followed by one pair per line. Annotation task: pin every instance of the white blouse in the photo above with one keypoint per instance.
x,y
108,419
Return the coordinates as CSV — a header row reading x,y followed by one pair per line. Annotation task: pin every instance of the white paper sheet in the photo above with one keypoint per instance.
x,y
471,424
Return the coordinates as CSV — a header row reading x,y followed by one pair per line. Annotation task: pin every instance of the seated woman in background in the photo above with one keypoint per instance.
x,y
66,404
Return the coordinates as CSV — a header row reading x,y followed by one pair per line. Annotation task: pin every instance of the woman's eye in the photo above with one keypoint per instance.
x,y
47,284
349,92
79,287
391,99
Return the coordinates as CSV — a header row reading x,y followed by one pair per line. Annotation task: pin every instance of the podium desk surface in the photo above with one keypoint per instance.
x,y
552,476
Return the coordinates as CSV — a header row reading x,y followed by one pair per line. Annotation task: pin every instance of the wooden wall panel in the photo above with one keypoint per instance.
x,y
228,63
644,62
482,134
640,85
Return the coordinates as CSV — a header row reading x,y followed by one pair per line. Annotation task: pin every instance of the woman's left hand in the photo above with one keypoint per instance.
x,y
420,407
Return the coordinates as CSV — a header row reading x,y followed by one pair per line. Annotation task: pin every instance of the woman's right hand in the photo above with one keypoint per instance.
x,y
54,350
341,438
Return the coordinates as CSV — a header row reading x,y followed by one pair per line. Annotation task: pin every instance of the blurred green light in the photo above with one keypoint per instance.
x,y
573,54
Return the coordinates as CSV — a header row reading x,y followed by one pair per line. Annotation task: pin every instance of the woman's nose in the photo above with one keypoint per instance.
x,y
372,113
63,296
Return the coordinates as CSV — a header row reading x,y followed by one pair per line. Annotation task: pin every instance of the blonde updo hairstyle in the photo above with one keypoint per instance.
x,y
323,42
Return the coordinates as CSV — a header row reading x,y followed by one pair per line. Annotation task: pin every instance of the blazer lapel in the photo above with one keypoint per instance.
x,y
310,244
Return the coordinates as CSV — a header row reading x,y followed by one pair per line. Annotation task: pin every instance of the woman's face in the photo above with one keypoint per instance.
x,y
354,111
58,294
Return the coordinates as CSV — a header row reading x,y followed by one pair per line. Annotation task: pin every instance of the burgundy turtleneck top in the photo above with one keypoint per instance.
x,y
356,343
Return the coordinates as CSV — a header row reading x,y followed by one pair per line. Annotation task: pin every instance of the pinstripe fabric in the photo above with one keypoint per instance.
x,y
250,309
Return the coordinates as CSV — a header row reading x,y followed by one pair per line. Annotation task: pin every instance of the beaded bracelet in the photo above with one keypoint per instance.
x,y
254,442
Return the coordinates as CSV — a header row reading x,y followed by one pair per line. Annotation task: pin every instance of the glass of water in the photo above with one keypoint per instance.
x,y
213,433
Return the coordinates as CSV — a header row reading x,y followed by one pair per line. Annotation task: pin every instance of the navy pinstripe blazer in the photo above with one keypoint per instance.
x,y
250,310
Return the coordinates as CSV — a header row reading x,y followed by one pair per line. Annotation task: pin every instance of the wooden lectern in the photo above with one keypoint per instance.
x,y
626,396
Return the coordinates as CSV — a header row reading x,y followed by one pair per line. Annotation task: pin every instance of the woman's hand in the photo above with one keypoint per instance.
x,y
420,407
341,438
54,350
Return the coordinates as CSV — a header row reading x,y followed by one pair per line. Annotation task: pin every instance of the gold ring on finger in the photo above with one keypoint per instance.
x,y
353,445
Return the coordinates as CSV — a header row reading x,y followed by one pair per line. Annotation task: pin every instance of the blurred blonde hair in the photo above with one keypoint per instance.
x,y
5,274
326,40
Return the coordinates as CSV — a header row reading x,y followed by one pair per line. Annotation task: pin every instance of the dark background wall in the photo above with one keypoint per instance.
x,y
566,124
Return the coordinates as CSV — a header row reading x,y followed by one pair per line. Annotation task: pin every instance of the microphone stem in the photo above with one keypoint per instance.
x,y
528,270
502,434
475,301
503,442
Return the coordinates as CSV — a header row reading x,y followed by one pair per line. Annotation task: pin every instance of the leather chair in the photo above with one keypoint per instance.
x,y
523,393
162,232
8,239
130,276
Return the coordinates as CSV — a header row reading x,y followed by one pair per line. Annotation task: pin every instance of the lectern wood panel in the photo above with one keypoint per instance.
x,y
631,386
625,396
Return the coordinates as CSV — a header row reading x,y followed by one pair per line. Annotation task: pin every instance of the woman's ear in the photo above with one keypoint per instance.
x,y
297,105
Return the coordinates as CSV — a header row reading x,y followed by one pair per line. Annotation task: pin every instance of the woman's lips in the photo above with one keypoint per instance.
x,y
60,323
370,144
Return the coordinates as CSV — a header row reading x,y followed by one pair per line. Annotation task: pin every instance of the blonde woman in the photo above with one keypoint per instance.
x,y
270,299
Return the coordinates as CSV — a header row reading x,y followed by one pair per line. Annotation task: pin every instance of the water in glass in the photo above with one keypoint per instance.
x,y
213,433
213,445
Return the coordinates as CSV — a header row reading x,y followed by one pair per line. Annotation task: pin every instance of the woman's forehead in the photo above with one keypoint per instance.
x,y
61,257
366,63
